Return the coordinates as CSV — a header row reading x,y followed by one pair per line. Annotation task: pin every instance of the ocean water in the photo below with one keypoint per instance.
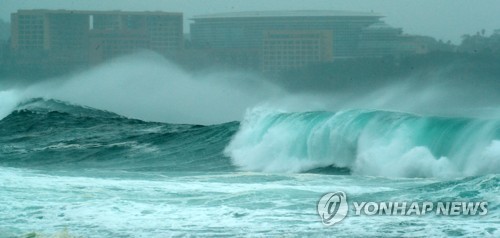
x,y
69,170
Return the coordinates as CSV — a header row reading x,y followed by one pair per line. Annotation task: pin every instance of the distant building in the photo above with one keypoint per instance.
x,y
115,33
351,34
106,45
379,40
59,39
49,37
245,30
284,50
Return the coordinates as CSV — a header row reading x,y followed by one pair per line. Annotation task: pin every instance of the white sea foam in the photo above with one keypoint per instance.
x,y
227,204
386,144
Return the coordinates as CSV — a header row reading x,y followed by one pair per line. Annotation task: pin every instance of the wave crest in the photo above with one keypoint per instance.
x,y
368,142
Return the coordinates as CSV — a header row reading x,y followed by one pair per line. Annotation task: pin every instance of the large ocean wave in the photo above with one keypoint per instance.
x,y
49,133
368,142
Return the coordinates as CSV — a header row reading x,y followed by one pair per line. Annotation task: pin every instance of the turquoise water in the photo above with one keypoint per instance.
x,y
91,173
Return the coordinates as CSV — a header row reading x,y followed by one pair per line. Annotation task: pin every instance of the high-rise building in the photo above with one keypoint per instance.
x,y
60,39
284,50
50,37
378,40
115,33
351,34
245,30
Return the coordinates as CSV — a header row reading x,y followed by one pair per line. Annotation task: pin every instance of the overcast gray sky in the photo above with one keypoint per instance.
x,y
442,19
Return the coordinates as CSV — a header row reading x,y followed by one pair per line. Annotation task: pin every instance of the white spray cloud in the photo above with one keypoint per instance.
x,y
8,101
147,86
389,145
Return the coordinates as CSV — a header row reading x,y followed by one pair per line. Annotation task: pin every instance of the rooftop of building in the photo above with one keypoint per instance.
x,y
298,13
115,12
380,25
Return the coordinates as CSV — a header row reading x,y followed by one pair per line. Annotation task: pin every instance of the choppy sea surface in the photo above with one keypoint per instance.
x,y
69,170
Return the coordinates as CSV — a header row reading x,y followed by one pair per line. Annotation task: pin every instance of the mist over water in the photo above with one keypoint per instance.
x,y
431,95
147,86
233,118
368,142
67,164
272,138
8,101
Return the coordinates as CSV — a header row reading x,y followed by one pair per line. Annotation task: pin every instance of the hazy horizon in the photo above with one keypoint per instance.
x,y
112,125
444,20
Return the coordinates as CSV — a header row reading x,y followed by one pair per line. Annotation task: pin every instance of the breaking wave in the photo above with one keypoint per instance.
x,y
368,142
49,133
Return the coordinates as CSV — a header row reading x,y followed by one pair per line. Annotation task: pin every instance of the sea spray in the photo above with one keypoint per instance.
x,y
149,87
8,101
368,142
